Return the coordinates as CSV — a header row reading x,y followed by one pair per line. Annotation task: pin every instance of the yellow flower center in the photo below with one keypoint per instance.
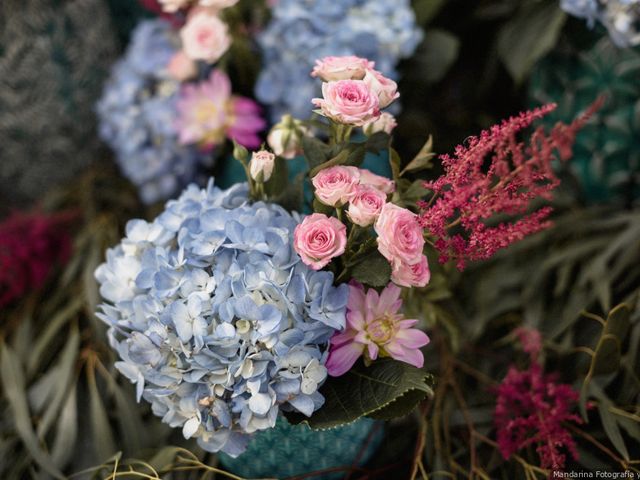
x,y
381,330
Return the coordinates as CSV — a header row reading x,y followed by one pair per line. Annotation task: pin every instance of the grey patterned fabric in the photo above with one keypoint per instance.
x,y
54,56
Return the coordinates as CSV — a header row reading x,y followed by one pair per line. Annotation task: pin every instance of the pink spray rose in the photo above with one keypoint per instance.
x,y
181,67
384,123
385,88
374,328
318,239
262,162
381,183
399,235
335,186
366,205
407,275
350,102
205,36
171,6
341,68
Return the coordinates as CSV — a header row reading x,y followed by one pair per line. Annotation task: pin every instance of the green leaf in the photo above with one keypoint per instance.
x,y
529,36
340,159
373,270
291,196
395,162
320,207
612,429
66,430
378,142
607,356
422,160
618,322
367,391
12,376
426,10
99,421
315,151
436,54
240,153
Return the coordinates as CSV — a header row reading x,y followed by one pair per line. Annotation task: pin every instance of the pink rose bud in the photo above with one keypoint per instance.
x,y
336,186
171,6
205,36
381,183
262,162
366,205
182,67
285,138
318,239
341,68
385,88
407,275
384,123
217,4
350,102
399,235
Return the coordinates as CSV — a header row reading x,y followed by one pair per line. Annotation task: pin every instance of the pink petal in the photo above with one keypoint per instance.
x,y
411,356
408,323
340,339
373,350
355,319
389,299
356,297
412,338
342,358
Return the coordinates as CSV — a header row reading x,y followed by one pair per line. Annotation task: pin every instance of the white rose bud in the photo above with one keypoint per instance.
x,y
285,137
262,162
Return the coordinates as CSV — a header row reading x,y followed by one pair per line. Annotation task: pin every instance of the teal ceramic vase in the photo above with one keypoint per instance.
x,y
291,450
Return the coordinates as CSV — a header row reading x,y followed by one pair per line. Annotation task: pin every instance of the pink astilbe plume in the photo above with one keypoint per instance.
x,y
531,410
30,246
496,174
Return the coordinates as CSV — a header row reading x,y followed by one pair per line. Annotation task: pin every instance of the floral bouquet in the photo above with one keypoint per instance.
x,y
229,310
169,108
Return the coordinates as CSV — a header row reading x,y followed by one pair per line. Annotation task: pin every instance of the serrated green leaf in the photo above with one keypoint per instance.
x,y
405,404
12,376
528,36
373,270
422,160
363,391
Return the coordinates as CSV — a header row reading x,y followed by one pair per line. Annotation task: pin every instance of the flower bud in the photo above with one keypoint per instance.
x,y
262,162
285,138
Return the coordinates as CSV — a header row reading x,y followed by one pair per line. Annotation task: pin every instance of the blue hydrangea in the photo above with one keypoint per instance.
x,y
137,112
620,17
302,31
216,319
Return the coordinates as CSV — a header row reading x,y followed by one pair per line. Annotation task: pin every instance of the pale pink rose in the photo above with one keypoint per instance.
x,y
285,138
182,67
381,183
406,275
262,162
318,239
205,36
341,68
375,328
335,186
217,4
400,236
348,101
385,88
171,6
366,205
384,123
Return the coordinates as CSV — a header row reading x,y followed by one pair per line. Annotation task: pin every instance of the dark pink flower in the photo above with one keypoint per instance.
x,y
496,174
30,246
531,409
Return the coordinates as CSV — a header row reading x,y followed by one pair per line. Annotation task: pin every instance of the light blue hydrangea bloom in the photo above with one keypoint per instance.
x,y
216,319
620,17
302,31
137,112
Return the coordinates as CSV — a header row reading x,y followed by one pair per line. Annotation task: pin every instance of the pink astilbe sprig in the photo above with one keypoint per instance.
x,y
30,246
531,410
496,174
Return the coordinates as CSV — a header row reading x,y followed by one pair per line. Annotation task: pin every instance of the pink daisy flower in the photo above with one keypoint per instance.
x,y
375,328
